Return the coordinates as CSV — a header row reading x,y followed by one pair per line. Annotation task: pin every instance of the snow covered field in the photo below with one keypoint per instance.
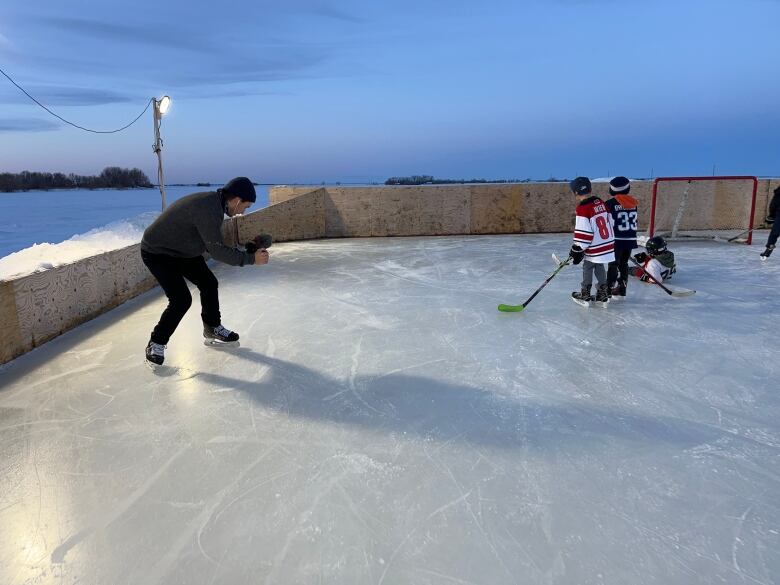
x,y
383,423
50,217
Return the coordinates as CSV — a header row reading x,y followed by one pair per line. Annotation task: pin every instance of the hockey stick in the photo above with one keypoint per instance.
x,y
732,239
685,292
518,308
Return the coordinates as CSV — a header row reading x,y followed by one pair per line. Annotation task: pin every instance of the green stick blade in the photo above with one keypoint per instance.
x,y
510,308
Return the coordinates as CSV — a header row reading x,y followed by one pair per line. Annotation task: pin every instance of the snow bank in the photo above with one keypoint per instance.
x,y
38,257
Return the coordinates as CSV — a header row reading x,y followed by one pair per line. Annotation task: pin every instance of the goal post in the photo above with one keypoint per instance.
x,y
715,208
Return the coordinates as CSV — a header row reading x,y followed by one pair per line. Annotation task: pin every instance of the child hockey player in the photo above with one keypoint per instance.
x,y
772,218
623,209
593,242
658,262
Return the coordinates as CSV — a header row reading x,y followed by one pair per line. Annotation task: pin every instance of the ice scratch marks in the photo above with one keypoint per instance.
x,y
278,563
254,321
434,263
352,385
366,319
462,499
676,547
720,415
254,424
441,509
353,376
479,525
271,347
58,555
392,268
439,575
737,541
198,524
47,382
355,364
384,375
407,368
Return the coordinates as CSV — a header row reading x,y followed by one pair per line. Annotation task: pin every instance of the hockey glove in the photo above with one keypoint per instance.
x,y
641,257
576,254
770,219
261,242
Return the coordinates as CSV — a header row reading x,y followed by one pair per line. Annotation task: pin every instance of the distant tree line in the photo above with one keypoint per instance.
x,y
430,180
109,178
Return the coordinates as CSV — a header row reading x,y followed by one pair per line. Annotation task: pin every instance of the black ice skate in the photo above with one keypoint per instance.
x,y
767,253
602,296
155,354
583,297
219,336
618,292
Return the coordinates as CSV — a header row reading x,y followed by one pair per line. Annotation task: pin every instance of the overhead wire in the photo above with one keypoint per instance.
x,y
125,127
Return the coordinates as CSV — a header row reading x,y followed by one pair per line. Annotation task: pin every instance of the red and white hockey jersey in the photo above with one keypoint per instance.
x,y
593,231
660,268
654,268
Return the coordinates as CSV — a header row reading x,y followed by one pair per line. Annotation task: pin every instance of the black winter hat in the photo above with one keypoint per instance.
x,y
240,187
580,186
619,186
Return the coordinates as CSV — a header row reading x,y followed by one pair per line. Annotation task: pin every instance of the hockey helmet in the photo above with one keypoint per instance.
x,y
580,186
655,245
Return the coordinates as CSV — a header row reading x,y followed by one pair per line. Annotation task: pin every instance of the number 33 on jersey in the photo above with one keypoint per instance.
x,y
623,209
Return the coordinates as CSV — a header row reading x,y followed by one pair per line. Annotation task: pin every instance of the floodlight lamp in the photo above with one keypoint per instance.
x,y
164,104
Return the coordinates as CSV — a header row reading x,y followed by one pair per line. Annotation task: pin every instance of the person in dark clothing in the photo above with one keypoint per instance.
x,y
772,218
172,249
623,209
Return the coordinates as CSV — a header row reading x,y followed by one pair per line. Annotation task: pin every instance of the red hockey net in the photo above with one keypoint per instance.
x,y
714,208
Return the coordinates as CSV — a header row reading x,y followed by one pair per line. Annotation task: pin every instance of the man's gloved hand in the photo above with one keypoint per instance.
x,y
641,257
576,254
261,242
770,219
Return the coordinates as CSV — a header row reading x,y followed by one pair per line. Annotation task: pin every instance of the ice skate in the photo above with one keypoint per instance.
x,y
155,354
219,336
582,297
602,297
618,292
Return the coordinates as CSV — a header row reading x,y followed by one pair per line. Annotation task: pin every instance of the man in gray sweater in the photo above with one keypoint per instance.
x,y
172,249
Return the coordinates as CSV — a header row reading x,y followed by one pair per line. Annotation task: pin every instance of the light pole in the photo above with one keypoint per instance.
x,y
160,108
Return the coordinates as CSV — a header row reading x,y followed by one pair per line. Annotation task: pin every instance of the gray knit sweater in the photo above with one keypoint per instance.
x,y
190,226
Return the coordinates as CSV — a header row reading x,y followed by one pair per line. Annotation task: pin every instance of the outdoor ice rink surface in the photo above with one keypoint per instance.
x,y
383,423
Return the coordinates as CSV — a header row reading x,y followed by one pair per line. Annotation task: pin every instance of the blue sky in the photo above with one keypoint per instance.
x,y
315,91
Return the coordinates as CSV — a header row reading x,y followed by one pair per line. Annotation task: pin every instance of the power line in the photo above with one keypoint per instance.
x,y
71,123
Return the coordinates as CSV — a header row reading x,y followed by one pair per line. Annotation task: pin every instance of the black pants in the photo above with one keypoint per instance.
x,y
772,239
619,265
170,272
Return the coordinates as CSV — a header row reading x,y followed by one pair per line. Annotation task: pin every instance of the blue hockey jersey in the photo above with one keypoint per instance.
x,y
623,209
